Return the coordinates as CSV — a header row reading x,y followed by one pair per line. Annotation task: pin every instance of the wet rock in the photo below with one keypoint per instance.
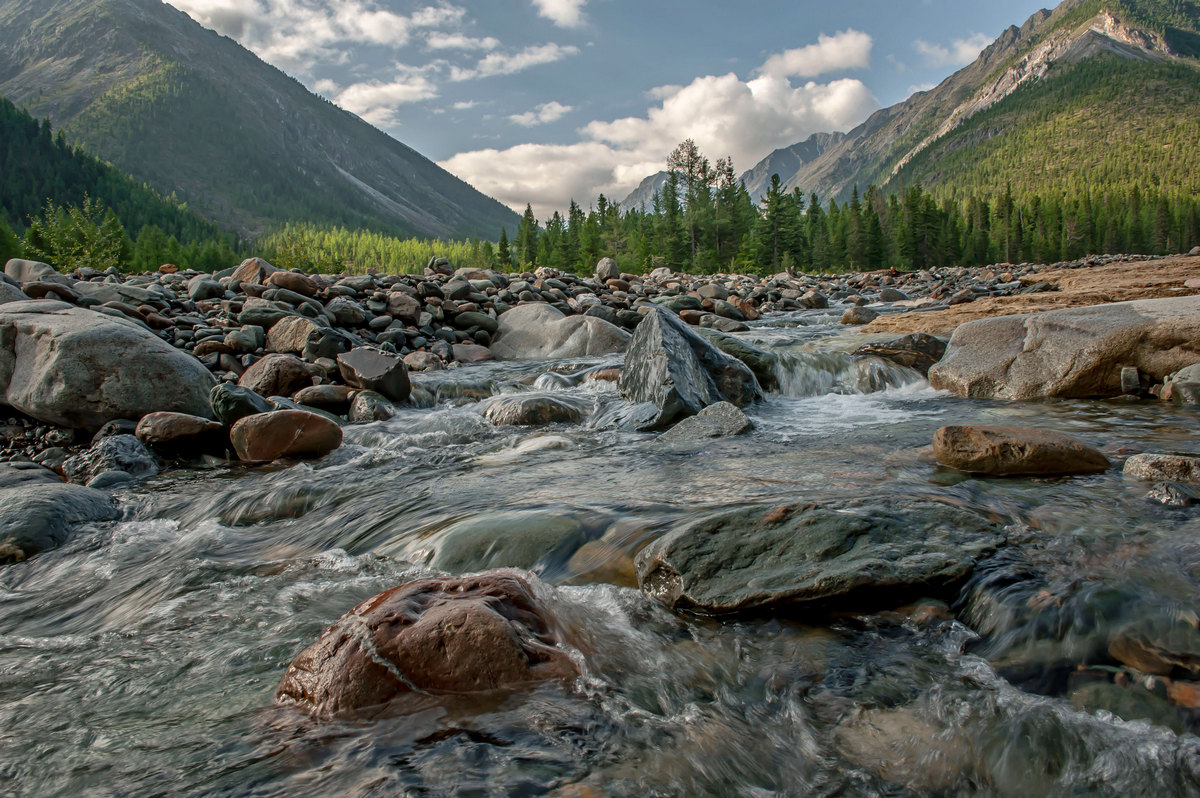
x,y
1164,468
74,368
438,635
38,512
123,453
1072,352
507,539
471,353
277,375
720,420
330,397
1128,703
676,373
541,332
284,433
878,550
531,411
231,402
179,432
918,351
859,315
1011,451
372,370
759,360
369,406
1173,494
902,747
423,361
1161,645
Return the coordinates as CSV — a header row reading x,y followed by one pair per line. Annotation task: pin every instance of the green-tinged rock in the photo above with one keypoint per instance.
x,y
516,539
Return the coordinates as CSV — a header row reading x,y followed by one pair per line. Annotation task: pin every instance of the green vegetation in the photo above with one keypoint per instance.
x,y
336,250
78,237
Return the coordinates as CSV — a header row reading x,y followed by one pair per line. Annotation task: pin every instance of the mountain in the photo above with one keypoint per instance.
x,y
194,114
1096,94
642,197
787,161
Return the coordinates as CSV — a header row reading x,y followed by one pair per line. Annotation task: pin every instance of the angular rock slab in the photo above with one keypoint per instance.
x,y
75,368
38,512
679,373
720,420
918,351
1015,451
541,332
439,635
372,370
1072,352
284,433
761,557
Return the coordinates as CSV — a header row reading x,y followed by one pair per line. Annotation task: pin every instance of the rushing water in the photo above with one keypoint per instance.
x,y
142,657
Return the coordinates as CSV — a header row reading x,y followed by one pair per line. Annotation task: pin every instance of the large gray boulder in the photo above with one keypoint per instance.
x,y
32,271
541,332
752,558
675,373
75,368
39,512
1070,353
760,361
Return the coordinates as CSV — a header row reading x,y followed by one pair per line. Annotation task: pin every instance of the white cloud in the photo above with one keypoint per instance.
x,y
376,101
544,114
458,41
564,13
960,53
724,114
464,105
849,49
919,87
507,64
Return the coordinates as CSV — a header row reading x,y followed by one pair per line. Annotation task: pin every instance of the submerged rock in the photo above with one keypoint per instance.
x,y
509,539
677,373
440,635
39,512
119,453
720,420
531,411
754,558
1012,451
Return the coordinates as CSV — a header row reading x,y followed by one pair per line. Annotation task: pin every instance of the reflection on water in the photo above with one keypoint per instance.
x,y
142,657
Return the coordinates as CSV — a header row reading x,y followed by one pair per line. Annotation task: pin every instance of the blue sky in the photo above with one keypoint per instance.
x,y
540,101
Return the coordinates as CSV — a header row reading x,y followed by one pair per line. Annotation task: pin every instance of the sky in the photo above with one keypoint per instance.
x,y
545,101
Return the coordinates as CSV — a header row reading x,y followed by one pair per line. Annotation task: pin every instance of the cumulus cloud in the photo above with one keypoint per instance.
x,y
725,115
465,105
849,49
376,101
544,114
457,41
509,63
960,52
564,13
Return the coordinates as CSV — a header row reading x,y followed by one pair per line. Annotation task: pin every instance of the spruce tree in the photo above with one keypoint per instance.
x,y
503,255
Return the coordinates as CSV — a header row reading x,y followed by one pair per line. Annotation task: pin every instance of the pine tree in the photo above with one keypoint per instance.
x,y
503,256
527,240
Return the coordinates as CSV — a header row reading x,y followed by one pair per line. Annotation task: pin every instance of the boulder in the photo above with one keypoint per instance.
x,y
1164,468
373,370
262,313
471,353
541,332
231,402
759,360
253,270
203,286
290,335
39,512
529,411
123,453
32,271
465,321
300,283
859,315
919,351
1182,387
720,420
178,432
369,406
403,307
1071,352
345,312
438,635
284,433
1011,451
879,549
675,372
277,375
607,269
335,398
115,292
75,368
10,293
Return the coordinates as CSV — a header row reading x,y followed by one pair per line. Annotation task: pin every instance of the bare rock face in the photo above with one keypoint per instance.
x,y
439,635
1071,353
284,433
1010,451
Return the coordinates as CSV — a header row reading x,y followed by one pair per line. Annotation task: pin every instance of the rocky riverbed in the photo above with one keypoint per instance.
x,y
546,534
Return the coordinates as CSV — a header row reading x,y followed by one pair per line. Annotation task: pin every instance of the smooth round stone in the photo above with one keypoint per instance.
x,y
284,433
178,431
528,411
230,403
1164,468
1012,451
325,396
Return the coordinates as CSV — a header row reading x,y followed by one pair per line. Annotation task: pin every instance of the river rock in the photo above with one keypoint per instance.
x,y
373,370
123,453
231,402
1072,352
180,432
1160,645
32,271
471,353
335,398
277,375
203,286
10,293
284,433
759,360
300,283
919,351
1010,451
607,269
675,372
75,368
532,411
290,335
753,558
859,315
541,332
1183,387
368,407
720,420
439,635
504,539
39,512
345,312
1164,468
1173,494
252,270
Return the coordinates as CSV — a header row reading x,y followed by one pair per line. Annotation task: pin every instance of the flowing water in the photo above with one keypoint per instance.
x,y
142,657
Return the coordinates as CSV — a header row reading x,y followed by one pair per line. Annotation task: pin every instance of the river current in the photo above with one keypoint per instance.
x,y
142,657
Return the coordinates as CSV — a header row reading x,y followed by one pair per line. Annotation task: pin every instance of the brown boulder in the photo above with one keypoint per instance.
x,y
1007,451
252,270
438,635
471,353
284,433
300,283
164,430
277,375
1164,468
290,335
918,351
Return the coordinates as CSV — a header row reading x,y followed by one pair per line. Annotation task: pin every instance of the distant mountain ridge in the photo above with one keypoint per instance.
x,y
193,113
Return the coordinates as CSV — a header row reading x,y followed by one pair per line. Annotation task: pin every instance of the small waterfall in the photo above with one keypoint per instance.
x,y
804,374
